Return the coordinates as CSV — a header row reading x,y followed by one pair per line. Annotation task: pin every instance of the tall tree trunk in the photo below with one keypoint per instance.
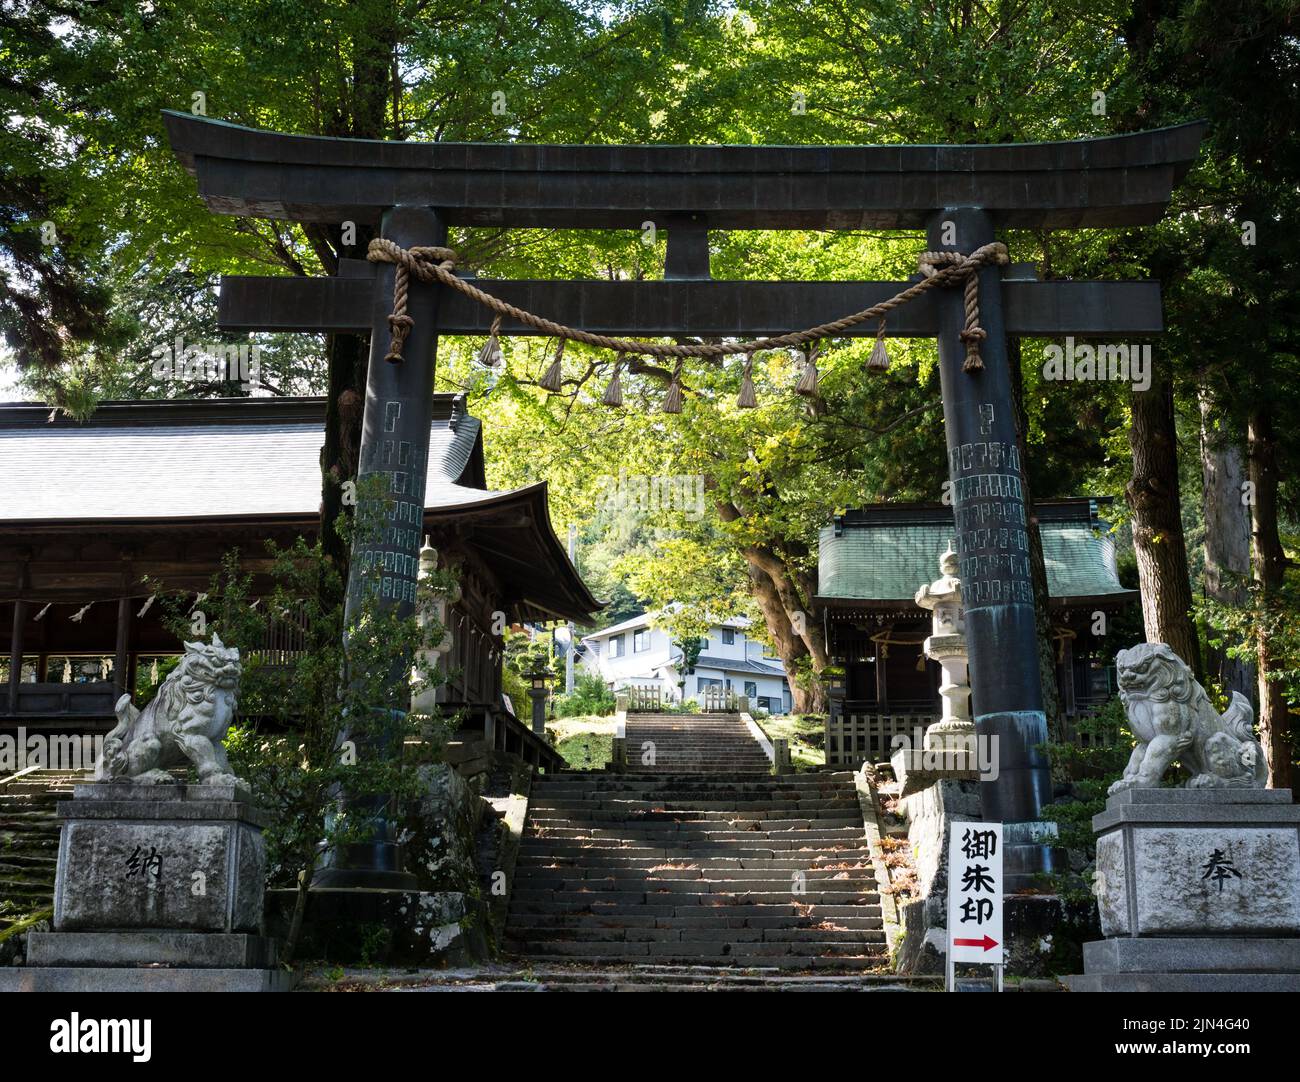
x,y
360,113
1269,567
1037,564
790,647
1158,538
785,596
344,403
1227,541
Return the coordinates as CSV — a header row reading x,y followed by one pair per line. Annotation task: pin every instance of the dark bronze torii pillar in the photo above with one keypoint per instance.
x,y
394,447
1109,181
985,478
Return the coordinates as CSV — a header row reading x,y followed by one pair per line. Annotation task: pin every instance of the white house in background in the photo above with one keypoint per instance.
x,y
636,654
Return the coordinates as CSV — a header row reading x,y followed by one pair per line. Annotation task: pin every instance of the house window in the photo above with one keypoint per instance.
x,y
751,689
616,646
707,682
640,641
728,637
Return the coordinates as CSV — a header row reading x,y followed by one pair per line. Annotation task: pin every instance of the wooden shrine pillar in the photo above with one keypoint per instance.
x,y
122,648
394,446
985,473
16,653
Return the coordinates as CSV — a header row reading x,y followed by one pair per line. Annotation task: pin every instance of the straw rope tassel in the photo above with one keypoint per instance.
x,y
807,385
614,392
879,359
490,354
550,380
673,399
747,400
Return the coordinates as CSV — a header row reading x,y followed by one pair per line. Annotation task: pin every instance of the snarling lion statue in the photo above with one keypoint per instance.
x,y
1172,718
186,722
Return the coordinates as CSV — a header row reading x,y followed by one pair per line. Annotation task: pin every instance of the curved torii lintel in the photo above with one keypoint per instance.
x,y
1114,180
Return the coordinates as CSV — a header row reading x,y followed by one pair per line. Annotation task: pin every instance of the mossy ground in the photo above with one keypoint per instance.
x,y
586,742
806,734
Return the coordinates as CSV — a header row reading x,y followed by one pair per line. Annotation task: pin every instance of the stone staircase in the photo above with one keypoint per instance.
x,y
705,861
29,840
693,743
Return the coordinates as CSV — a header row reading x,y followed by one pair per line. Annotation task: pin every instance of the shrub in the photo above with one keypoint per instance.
x,y
590,696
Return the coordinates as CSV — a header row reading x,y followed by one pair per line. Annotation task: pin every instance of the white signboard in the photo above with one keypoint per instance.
x,y
975,893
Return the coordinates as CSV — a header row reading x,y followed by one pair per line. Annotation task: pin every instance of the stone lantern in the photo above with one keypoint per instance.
x,y
437,607
539,680
947,645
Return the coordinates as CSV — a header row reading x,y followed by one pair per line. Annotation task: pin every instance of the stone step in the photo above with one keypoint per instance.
x,y
720,917
597,778
764,873
675,855
677,909
534,881
11,860
543,976
768,839
800,955
687,785
29,895
753,868
816,936
649,823
704,798
623,806
527,895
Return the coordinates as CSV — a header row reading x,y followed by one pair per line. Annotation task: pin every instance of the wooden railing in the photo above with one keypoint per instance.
x,y
643,700
719,700
853,738
52,701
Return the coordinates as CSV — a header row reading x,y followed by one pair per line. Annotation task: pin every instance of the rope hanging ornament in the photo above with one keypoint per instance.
x,y
933,264
430,264
879,359
673,399
551,378
418,261
490,354
747,400
614,392
807,385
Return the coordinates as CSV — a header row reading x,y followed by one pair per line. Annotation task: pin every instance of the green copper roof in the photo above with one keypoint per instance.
x,y
889,561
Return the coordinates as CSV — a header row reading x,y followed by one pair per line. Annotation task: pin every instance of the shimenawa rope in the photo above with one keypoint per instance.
x,y
433,263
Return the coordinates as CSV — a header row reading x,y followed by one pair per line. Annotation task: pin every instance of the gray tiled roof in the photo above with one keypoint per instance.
x,y
733,664
168,469
890,561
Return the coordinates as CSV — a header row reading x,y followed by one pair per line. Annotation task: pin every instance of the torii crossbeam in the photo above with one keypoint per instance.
x,y
959,194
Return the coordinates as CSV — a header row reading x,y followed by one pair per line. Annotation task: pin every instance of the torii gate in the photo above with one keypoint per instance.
x,y
959,194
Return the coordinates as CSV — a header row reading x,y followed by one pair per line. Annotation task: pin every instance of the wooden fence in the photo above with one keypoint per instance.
x,y
643,700
719,700
853,738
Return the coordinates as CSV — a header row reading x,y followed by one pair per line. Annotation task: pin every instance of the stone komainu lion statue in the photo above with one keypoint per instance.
x,y
1172,718
187,721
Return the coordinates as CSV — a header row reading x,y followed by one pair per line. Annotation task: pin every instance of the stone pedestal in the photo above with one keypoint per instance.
x,y
158,887
1198,890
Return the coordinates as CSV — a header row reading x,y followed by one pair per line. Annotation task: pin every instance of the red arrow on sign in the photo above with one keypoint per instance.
x,y
988,942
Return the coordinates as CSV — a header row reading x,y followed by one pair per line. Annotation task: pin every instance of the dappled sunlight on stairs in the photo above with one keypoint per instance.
x,y
697,867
